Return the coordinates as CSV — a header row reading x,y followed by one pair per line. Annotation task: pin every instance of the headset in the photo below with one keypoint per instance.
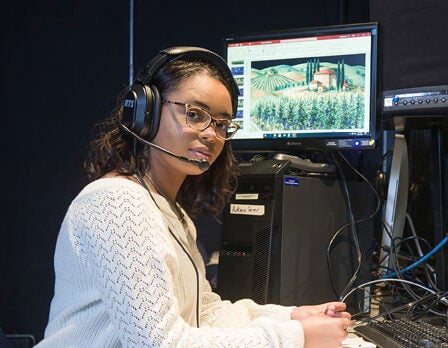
x,y
142,103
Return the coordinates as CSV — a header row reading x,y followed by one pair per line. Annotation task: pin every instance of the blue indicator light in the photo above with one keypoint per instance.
x,y
356,142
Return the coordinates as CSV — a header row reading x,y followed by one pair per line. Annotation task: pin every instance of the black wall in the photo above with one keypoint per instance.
x,y
412,52
62,64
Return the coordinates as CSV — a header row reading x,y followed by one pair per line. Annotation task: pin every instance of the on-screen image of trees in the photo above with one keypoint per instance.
x,y
308,94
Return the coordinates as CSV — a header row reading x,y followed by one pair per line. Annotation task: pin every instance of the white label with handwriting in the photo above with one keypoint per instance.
x,y
247,209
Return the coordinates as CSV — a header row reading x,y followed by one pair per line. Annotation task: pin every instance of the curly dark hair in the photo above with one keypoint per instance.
x,y
114,150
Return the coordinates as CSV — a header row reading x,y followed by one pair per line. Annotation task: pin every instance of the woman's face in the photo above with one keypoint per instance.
x,y
175,135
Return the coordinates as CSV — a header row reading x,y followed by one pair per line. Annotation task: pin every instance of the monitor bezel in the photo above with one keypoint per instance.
x,y
320,141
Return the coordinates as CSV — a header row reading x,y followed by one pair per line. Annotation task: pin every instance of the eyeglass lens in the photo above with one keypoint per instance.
x,y
199,119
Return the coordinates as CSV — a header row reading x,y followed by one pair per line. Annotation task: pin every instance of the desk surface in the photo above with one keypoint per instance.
x,y
354,341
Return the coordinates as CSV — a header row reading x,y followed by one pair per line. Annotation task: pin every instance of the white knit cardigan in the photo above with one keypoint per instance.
x,y
122,280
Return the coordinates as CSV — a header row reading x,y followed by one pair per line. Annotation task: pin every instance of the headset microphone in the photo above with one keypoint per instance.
x,y
201,164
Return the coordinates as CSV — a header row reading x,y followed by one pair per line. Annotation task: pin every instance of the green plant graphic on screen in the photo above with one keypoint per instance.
x,y
309,95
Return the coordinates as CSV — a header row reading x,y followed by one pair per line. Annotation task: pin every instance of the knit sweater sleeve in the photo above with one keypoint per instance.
x,y
221,313
121,236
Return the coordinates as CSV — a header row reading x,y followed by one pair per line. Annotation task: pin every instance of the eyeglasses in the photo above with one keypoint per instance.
x,y
199,119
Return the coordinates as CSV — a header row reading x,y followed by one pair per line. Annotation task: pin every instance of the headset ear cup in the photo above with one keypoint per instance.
x,y
135,105
127,118
141,111
152,121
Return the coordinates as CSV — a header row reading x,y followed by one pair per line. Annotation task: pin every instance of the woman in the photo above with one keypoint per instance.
x,y
128,272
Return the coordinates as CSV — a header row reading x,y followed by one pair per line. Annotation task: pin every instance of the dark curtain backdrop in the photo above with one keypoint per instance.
x,y
62,64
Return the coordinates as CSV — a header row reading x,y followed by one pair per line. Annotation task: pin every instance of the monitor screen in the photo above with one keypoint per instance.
x,y
305,89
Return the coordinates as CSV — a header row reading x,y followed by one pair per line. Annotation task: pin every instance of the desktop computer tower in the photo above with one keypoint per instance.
x,y
249,259
276,232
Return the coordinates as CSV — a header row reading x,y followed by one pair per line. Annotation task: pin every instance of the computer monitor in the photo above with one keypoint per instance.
x,y
305,89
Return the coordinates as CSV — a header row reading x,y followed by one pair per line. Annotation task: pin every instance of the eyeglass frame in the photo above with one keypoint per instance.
x,y
212,119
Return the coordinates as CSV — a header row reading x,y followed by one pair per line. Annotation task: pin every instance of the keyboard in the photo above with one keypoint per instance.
x,y
404,333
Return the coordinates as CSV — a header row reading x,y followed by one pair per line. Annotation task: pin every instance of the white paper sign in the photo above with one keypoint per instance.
x,y
247,209
246,196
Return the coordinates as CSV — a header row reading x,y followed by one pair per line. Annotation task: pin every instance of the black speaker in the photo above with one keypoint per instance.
x,y
142,103
412,42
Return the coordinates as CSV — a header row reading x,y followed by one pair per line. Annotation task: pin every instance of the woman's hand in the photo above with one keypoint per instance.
x,y
324,325
323,331
331,309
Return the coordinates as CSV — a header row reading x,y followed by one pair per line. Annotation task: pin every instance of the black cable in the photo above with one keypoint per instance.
x,y
440,298
354,222
143,183
196,271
